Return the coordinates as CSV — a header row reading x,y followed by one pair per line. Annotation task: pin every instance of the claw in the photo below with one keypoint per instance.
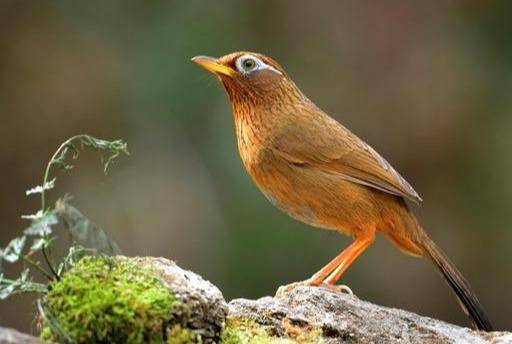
x,y
282,290
345,289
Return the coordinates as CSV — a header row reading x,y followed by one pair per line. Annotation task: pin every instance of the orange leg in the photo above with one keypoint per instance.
x,y
322,274
348,256
331,273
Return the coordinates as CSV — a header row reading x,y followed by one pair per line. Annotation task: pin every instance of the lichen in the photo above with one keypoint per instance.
x,y
245,331
109,300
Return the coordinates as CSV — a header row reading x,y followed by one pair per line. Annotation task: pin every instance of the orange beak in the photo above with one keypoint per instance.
x,y
212,65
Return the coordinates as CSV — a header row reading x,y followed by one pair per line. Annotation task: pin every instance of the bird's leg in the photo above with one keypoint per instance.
x,y
331,273
351,253
324,272
317,278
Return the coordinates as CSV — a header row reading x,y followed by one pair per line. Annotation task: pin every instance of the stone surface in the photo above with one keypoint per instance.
x,y
206,307
344,318
10,336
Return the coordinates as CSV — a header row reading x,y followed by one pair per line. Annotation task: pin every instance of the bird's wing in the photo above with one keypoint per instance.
x,y
324,144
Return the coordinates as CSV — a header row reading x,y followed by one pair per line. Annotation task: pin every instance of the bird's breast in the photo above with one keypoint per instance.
x,y
308,195
254,133
270,173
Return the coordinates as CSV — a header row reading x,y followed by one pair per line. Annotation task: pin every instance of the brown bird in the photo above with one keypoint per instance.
x,y
317,171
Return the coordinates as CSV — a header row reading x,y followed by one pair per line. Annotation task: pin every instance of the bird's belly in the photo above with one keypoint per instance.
x,y
298,210
317,198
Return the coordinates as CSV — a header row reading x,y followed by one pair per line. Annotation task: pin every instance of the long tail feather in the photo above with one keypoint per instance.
x,y
467,298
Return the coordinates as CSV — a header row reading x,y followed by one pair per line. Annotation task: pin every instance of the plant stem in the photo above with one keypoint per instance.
x,y
7,281
43,195
50,164
49,263
34,286
36,266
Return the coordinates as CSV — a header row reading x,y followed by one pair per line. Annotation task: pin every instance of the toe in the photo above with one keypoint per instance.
x,y
345,289
289,287
286,289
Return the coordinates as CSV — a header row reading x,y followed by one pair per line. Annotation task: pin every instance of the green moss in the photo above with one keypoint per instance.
x,y
244,331
109,300
179,335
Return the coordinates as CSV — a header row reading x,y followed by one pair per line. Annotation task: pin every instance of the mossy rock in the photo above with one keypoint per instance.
x,y
247,331
149,300
116,300
132,300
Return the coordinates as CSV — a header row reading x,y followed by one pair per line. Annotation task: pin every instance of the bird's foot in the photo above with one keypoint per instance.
x,y
289,287
282,290
338,288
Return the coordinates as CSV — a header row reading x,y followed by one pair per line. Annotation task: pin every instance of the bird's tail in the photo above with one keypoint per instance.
x,y
467,298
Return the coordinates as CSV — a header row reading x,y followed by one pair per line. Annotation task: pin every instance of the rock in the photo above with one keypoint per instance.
x,y
205,305
302,315
132,300
344,318
9,336
340,317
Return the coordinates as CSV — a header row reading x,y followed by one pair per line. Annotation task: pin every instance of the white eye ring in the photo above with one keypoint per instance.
x,y
240,64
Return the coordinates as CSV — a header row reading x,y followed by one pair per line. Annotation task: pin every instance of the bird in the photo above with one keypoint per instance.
x,y
317,171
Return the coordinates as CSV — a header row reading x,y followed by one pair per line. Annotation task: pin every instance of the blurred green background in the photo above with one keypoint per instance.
x,y
427,84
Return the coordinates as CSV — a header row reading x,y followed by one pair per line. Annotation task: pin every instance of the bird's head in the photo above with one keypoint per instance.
x,y
251,79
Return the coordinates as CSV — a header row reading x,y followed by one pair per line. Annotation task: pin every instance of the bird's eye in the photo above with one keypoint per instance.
x,y
248,64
